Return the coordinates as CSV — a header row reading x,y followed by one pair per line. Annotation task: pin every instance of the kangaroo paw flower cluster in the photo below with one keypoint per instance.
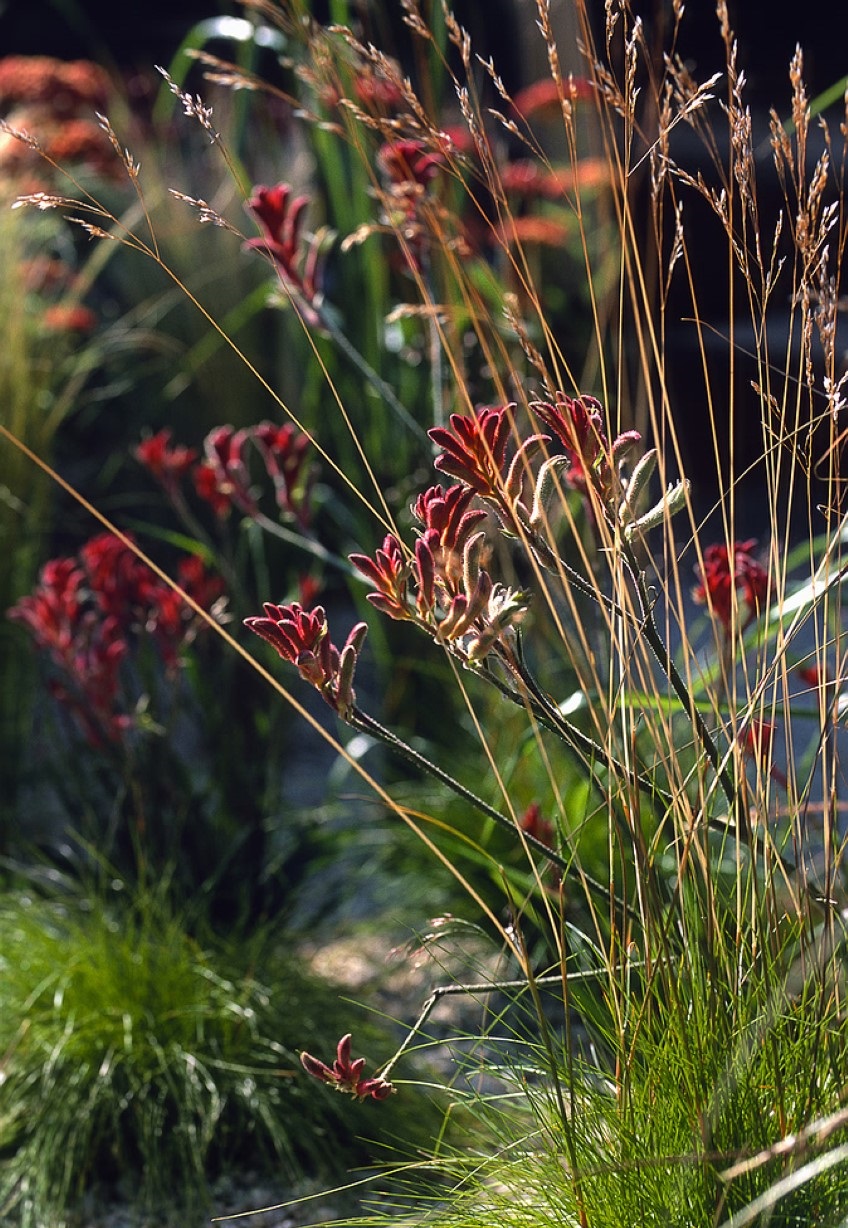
x,y
732,577
443,586
443,583
345,1074
302,637
222,478
90,613
297,258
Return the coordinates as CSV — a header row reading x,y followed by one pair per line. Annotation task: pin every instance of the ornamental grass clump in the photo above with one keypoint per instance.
x,y
141,1064
640,795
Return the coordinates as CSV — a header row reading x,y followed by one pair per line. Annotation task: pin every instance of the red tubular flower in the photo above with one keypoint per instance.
x,y
169,620
166,623
811,675
530,180
756,740
475,449
85,615
389,570
543,97
409,168
195,578
81,140
308,588
86,647
119,583
455,599
729,576
167,463
94,693
409,162
284,451
578,423
475,453
280,215
205,479
52,613
69,318
302,637
223,478
817,677
64,85
376,92
448,523
345,1075
535,825
446,513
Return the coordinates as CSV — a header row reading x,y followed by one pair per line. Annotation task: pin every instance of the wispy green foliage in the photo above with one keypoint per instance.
x,y
138,1060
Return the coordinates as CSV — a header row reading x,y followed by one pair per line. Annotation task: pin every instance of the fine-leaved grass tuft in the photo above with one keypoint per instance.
x,y
140,1063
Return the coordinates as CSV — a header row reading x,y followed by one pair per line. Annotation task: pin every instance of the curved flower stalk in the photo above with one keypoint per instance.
x,y
302,638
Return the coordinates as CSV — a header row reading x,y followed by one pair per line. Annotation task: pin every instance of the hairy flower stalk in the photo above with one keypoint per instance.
x,y
302,638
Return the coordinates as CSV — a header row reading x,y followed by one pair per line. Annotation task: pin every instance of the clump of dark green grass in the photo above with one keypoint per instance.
x,y
136,1059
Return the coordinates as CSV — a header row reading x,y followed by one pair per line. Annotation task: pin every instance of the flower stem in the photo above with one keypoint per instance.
x,y
367,724
546,712
648,627
309,544
376,381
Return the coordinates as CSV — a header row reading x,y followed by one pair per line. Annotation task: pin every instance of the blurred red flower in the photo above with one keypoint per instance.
x,y
167,462
732,577
70,318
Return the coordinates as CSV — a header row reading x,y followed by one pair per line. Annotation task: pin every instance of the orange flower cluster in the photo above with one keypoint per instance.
x,y
64,86
53,101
